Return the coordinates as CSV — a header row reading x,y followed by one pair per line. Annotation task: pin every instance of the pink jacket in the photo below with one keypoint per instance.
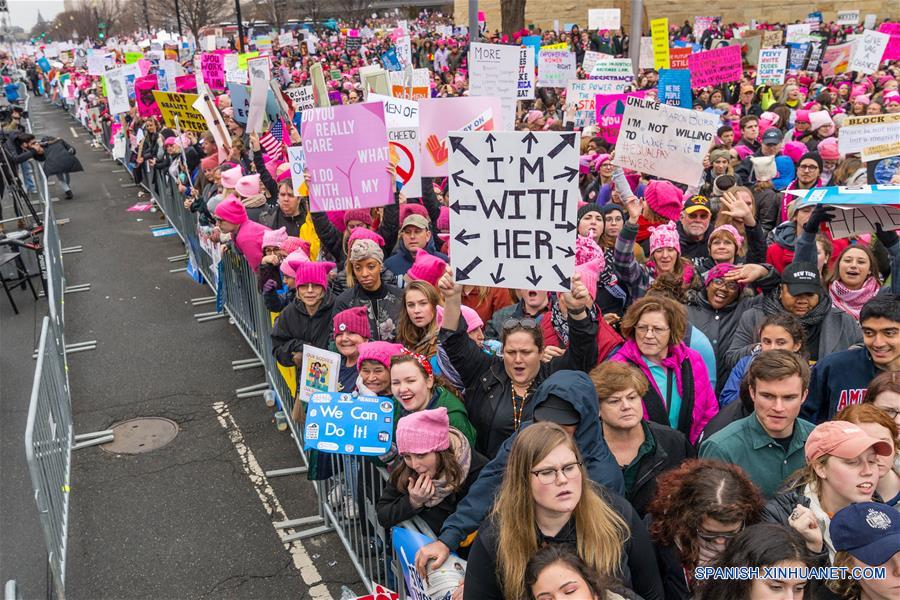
x,y
705,403
249,241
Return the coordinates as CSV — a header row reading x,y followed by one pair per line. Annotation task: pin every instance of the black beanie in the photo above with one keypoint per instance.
x,y
589,207
811,156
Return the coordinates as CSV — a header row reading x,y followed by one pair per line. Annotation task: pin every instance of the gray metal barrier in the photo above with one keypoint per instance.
x,y
11,591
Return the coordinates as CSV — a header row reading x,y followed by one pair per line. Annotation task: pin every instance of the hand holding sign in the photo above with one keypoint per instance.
x,y
578,298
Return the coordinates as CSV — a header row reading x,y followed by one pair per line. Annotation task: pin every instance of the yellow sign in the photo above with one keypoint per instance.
x,y
181,105
659,32
243,58
133,57
880,151
560,46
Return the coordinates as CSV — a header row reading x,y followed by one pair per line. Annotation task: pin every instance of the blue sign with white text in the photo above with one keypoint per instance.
x,y
342,423
675,87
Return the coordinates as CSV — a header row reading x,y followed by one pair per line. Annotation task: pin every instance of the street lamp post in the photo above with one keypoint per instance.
x,y
240,24
178,16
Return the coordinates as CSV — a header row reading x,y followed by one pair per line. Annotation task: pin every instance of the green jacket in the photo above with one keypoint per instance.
x,y
459,418
746,444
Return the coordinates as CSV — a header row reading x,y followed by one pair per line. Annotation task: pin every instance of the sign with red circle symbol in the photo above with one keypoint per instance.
x,y
404,145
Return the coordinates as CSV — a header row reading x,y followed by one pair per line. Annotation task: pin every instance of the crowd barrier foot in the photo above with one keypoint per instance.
x,y
73,348
178,270
11,591
95,438
286,472
106,159
209,316
177,258
203,300
63,221
120,170
128,185
245,363
72,249
81,287
307,533
250,391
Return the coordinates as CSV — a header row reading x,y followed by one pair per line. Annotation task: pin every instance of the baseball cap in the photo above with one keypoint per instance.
x,y
416,221
868,531
695,203
802,278
557,410
772,136
842,439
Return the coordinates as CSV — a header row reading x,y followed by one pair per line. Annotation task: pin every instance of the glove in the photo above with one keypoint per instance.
x,y
269,286
887,238
820,214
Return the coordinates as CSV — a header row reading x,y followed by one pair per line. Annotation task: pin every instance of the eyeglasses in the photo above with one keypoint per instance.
x,y
548,476
654,331
808,168
891,412
728,285
718,537
526,323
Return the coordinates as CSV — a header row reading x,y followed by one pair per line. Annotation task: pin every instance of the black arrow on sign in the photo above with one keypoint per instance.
x,y
569,173
531,140
463,274
496,276
457,177
535,278
456,144
564,281
461,237
567,226
568,139
457,207
490,139
567,252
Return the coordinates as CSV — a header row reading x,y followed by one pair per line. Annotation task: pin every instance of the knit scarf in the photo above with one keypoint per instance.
x,y
851,301
561,324
772,305
463,453
608,274
254,201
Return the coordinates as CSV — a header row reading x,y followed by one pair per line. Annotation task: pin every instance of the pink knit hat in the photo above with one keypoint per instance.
x,y
443,222
274,238
282,172
828,149
533,115
363,215
730,230
248,185
794,150
423,431
231,177
427,267
586,250
819,118
361,233
664,198
664,236
291,262
290,244
590,275
379,352
353,320
802,116
230,209
471,316
718,271
313,272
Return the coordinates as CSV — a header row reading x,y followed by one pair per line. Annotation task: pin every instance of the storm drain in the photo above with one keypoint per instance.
x,y
140,435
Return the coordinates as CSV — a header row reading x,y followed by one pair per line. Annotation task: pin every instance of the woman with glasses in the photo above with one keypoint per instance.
x,y
699,508
680,394
884,392
499,390
546,498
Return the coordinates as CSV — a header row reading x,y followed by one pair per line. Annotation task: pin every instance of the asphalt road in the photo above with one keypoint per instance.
x,y
183,521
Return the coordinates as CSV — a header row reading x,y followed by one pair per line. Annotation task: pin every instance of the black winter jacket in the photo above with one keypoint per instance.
x,y
672,448
59,158
295,327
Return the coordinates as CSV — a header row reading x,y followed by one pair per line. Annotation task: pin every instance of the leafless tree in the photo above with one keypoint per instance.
x,y
194,13
512,15
276,12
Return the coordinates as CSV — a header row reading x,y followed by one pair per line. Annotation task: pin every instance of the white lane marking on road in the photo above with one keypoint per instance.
x,y
302,561
74,133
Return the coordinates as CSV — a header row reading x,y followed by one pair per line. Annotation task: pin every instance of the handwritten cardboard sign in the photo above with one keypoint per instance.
x,y
514,211
583,93
604,18
869,50
404,146
212,66
298,165
301,98
496,70
665,141
342,423
347,156
722,65
614,73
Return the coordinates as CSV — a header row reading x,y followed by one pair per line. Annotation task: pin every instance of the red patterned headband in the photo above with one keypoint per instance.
x,y
422,360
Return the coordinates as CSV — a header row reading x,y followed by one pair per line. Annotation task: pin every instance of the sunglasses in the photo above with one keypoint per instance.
x,y
709,536
513,323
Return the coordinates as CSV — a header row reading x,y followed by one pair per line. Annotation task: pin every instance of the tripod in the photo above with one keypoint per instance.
x,y
10,182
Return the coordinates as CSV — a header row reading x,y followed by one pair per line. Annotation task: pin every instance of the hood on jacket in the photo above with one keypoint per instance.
x,y
785,235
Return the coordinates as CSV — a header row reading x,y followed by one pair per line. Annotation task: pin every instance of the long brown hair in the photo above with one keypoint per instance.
x,y
448,468
601,532
701,488
422,340
835,272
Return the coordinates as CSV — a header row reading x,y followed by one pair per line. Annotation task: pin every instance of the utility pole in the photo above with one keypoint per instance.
x,y
240,24
634,46
474,30
178,16
147,18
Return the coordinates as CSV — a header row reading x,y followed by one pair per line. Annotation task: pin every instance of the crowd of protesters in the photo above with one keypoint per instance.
x,y
719,388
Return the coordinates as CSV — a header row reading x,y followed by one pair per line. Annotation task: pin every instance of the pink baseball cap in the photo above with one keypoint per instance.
x,y
842,439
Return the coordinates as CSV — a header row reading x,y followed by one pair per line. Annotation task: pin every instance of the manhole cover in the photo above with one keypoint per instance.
x,y
144,434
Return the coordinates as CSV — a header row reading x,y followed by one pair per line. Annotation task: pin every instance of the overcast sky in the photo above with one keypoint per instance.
x,y
24,12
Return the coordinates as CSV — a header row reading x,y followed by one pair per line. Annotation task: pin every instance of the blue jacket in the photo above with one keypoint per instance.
x,y
575,387
837,381
732,389
402,259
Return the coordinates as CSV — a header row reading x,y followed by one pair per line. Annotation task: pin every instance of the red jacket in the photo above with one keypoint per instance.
x,y
608,338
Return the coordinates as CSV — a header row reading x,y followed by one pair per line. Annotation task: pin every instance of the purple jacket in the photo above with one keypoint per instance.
x,y
705,404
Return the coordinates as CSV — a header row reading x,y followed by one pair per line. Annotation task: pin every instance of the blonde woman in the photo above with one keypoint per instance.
x,y
546,498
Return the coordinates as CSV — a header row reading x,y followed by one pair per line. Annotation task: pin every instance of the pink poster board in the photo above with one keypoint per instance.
x,y
440,116
713,67
213,68
143,96
610,108
892,52
347,156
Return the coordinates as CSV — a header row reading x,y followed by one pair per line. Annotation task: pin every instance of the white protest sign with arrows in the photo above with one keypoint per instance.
x,y
514,210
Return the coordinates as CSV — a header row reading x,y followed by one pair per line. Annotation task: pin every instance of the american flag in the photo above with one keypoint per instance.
x,y
271,140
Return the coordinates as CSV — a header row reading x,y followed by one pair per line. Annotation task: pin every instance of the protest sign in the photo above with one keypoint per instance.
x,y
797,32
556,68
133,57
701,24
372,77
892,52
411,88
398,112
612,74
244,59
206,106
859,133
404,146
213,68
240,101
259,68
44,64
347,156
604,18
816,52
836,59
502,71
533,42
185,83
868,52
143,95
722,65
348,424
98,63
590,59
319,372
659,32
583,93
771,67
403,46
390,60
301,98
181,105
861,208
440,582
675,87
869,22
798,53
117,91
439,116
848,17
551,47
880,151
646,60
287,39
610,109
772,38
883,170
678,57
664,140
297,160
233,73
259,93
514,211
